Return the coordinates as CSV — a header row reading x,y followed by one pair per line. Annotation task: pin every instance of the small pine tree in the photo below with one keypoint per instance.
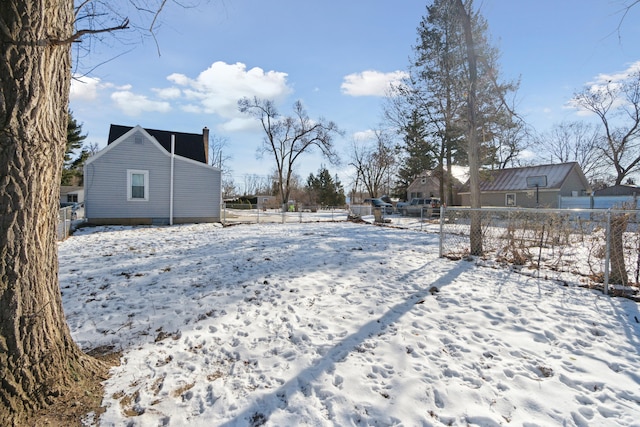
x,y
72,167
75,138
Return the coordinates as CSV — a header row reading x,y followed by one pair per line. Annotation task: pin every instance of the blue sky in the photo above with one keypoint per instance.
x,y
337,57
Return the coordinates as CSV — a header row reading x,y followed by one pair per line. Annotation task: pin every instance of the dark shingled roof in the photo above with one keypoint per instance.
x,y
189,145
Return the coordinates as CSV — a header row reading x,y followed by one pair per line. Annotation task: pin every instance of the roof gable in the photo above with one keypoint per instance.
x,y
189,145
431,179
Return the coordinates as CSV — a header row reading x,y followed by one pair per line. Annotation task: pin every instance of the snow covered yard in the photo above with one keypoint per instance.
x,y
340,324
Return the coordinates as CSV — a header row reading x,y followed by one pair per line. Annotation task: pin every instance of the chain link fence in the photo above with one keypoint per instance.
x,y
601,247
65,216
253,214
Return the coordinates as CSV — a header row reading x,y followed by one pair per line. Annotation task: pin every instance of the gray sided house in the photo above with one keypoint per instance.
x,y
428,185
529,187
137,180
71,194
619,190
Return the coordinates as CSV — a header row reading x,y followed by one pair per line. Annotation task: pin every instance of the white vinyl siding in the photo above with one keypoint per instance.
x,y
108,183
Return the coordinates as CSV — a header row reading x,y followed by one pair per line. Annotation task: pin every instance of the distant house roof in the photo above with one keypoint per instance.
x,y
66,189
618,190
519,179
189,145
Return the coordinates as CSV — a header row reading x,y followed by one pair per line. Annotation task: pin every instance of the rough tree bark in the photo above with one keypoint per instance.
x,y
474,149
38,358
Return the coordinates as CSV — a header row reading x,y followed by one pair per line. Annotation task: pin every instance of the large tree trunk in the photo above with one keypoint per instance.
x,y
474,149
38,358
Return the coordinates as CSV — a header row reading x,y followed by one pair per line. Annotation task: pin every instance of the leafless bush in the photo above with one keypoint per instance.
x,y
595,245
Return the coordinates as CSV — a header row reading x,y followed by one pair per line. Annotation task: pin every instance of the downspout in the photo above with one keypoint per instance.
x,y
173,156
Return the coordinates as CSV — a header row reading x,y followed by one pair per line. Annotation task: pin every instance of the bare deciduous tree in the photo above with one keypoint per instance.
x,y
617,105
289,137
217,155
257,185
373,161
574,142
219,158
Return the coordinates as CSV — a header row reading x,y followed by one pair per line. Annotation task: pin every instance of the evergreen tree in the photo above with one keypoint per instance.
x,y
72,166
420,153
435,94
75,138
325,190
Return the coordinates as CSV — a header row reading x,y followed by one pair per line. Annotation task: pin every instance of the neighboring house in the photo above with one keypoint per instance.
x,y
619,190
71,194
427,185
137,180
530,186
424,185
267,202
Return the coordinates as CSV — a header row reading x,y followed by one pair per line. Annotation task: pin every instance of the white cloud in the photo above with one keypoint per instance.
x,y
168,93
604,83
239,124
371,83
365,135
84,88
616,78
217,89
133,105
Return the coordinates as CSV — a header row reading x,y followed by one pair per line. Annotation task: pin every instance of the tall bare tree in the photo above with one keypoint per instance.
x,y
39,362
576,141
254,185
287,138
617,105
472,138
373,161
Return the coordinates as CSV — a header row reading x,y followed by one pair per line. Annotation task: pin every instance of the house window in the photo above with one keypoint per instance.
x,y
72,198
137,185
510,199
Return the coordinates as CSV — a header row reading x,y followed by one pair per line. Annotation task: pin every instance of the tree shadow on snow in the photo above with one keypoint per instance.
x,y
259,411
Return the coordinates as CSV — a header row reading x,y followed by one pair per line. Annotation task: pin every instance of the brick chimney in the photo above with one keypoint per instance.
x,y
205,142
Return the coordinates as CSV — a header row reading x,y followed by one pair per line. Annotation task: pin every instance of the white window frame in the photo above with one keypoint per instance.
x,y
130,173
508,197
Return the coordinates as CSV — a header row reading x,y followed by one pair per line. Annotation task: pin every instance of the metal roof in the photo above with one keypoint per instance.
x,y
515,179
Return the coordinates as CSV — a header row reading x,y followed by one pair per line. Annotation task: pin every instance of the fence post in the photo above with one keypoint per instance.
x,y
607,256
441,246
